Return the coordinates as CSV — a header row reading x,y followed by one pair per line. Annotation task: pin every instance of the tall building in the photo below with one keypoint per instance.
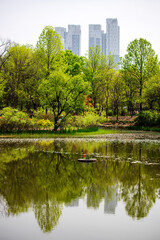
x,y
73,39
113,38
62,33
95,35
104,43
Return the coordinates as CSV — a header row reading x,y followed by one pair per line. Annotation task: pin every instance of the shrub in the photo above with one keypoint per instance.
x,y
42,123
41,114
12,119
148,119
87,120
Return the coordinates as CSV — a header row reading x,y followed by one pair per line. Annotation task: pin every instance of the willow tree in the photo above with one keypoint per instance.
x,y
140,63
48,50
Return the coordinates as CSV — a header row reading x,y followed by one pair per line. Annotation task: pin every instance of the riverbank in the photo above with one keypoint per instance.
x,y
97,133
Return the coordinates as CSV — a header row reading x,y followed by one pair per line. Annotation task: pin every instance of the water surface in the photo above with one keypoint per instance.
x,y
45,193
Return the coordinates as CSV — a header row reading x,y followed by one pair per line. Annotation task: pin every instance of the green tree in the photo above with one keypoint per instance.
x,y
93,62
140,63
130,90
97,71
152,92
64,95
4,46
20,78
74,64
103,82
117,94
48,50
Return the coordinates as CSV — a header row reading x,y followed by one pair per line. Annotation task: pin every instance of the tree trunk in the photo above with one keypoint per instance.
x,y
140,99
117,115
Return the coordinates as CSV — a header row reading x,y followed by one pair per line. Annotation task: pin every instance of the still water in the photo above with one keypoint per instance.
x,y
45,193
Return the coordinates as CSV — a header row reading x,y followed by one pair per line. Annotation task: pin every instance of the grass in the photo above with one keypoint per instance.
x,y
85,132
141,128
67,133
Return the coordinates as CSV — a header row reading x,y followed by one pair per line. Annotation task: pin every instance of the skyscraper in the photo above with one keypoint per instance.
x,y
95,35
113,38
104,43
73,39
62,33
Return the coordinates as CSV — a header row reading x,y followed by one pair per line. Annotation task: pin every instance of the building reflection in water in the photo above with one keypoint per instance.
x,y
110,201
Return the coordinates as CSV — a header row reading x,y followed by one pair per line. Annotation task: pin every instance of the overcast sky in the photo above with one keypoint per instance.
x,y
22,21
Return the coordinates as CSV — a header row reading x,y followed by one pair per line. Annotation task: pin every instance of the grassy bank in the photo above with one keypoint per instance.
x,y
140,128
67,133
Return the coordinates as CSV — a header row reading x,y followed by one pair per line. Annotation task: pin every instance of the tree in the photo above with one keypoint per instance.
x,y
117,96
48,48
20,78
4,46
140,63
93,68
74,63
152,92
64,94
103,87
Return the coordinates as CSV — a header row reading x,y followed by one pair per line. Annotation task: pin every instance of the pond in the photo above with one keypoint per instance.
x,y
45,193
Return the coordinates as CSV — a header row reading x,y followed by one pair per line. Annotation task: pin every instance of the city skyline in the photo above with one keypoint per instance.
x,y
22,21
108,42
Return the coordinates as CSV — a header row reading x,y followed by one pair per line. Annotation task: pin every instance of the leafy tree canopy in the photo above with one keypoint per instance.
x,y
49,49
64,94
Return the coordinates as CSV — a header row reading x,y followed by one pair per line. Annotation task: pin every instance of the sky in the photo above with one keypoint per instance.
x,y
22,21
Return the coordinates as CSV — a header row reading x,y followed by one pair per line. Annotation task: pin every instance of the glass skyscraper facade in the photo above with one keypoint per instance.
x,y
109,42
71,40
95,37
62,33
113,38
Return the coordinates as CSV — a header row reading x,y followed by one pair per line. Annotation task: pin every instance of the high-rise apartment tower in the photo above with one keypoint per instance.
x,y
71,40
113,38
62,33
97,37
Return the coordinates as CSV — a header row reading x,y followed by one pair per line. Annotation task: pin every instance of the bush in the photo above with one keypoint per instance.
x,y
42,123
12,119
89,119
148,119
41,114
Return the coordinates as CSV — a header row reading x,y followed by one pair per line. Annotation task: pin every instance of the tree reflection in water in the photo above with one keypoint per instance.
x,y
45,176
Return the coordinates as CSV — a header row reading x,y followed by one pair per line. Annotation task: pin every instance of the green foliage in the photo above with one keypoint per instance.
x,y
74,64
49,50
41,114
54,80
148,118
12,119
152,92
45,123
139,64
98,70
87,120
117,91
64,94
20,78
